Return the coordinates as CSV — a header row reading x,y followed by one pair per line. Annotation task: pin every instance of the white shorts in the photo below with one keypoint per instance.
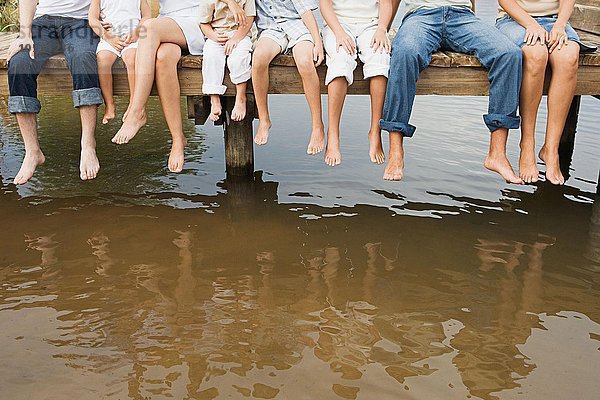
x,y
105,46
340,64
285,42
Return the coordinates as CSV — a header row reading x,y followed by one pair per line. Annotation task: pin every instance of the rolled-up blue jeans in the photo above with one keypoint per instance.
x,y
426,31
54,35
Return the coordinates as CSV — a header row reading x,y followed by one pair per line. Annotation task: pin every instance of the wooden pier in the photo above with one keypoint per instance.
x,y
449,74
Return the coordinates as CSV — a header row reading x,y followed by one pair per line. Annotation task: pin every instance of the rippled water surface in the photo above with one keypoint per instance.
x,y
307,282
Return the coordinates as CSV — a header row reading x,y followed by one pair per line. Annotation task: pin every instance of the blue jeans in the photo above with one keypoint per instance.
x,y
51,36
426,31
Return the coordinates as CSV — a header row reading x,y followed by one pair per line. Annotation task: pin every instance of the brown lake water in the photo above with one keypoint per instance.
x,y
307,283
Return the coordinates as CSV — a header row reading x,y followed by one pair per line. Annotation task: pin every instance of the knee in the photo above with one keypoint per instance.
x,y
105,60
304,63
261,59
536,58
20,64
83,62
129,58
566,61
167,57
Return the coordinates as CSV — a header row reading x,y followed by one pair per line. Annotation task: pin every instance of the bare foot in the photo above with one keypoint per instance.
x,y
239,110
528,170
30,162
376,147
130,128
215,111
502,166
262,134
333,155
109,114
177,156
394,171
553,173
89,165
317,141
125,115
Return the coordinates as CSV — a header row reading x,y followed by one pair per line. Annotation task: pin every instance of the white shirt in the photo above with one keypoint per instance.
x,y
124,15
412,5
356,11
180,8
63,8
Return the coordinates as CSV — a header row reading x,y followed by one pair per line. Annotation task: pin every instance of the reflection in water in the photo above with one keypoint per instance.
x,y
249,297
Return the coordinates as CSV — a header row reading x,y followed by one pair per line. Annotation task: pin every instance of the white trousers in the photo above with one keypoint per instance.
x,y
214,61
342,64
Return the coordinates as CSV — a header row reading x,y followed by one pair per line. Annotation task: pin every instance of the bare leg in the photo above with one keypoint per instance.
x,y
265,51
378,86
535,59
89,165
33,154
167,84
106,59
394,170
496,160
129,60
215,107
564,63
157,31
337,90
239,109
303,55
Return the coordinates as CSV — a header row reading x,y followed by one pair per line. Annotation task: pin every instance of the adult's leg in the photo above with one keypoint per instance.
x,y
240,73
129,57
535,59
22,79
213,74
503,59
564,64
80,44
303,55
265,51
157,31
418,37
106,59
167,83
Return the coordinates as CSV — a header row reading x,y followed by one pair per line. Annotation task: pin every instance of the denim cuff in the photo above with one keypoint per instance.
x,y
406,129
497,121
87,97
23,104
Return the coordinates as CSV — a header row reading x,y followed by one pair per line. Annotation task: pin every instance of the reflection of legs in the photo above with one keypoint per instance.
x,y
265,51
303,55
535,59
100,247
330,269
167,83
564,63
106,59
184,292
158,31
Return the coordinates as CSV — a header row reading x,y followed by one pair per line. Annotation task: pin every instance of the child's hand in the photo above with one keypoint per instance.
x,y
131,37
533,33
115,41
381,41
218,37
239,15
557,38
342,39
231,45
318,54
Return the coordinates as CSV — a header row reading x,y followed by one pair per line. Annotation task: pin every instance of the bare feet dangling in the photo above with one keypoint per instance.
x,y
317,141
239,109
89,166
109,113
333,154
262,133
376,152
132,125
501,165
177,155
31,161
394,171
552,161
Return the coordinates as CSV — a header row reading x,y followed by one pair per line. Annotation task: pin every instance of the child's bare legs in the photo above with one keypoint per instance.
x,y
564,63
129,60
303,56
535,59
239,109
496,160
167,83
378,86
336,93
157,31
106,59
266,50
394,171
215,107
